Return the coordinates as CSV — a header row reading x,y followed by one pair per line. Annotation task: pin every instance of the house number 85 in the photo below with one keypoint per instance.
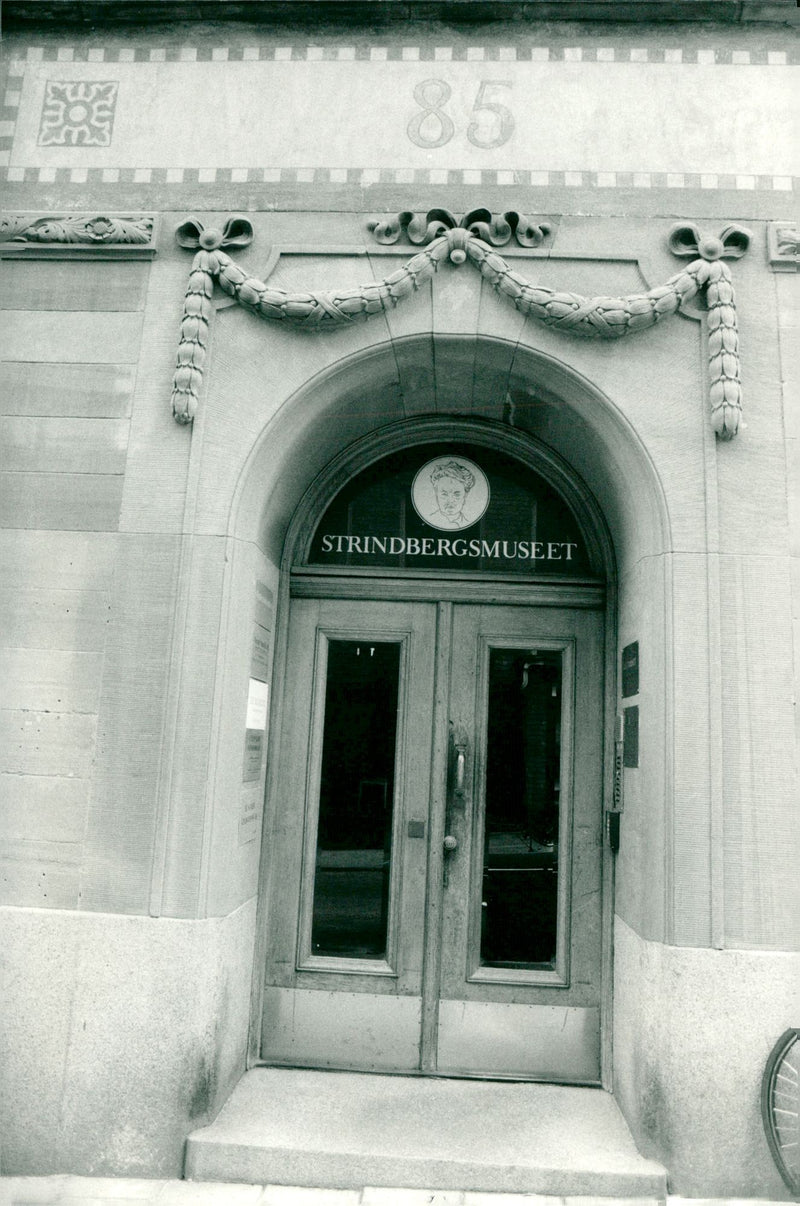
x,y
433,127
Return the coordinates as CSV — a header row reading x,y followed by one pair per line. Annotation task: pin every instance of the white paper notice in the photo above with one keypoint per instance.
x,y
257,703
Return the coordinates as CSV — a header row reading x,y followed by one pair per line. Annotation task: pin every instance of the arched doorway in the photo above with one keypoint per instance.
x,y
435,816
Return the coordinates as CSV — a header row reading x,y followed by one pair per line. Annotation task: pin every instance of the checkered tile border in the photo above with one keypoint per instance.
x,y
364,177
8,119
410,54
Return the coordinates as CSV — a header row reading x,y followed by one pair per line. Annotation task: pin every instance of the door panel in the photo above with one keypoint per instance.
x,y
526,685
479,955
337,1028
536,1042
350,825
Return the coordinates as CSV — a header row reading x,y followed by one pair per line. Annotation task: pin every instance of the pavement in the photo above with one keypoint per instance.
x,y
62,1190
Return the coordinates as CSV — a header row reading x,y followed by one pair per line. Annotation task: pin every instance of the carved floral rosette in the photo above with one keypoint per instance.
x,y
571,313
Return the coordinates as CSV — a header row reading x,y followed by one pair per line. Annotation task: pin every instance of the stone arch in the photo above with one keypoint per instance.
x,y
527,389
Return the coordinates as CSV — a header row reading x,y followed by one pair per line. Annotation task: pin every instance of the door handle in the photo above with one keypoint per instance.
x,y
459,749
461,768
456,802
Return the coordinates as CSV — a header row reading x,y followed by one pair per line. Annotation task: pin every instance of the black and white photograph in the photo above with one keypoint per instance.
x,y
399,602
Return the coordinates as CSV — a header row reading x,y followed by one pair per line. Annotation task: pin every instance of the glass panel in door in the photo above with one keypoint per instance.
x,y
352,866
519,904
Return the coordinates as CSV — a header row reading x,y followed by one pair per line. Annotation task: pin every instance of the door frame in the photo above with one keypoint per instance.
x,y
298,580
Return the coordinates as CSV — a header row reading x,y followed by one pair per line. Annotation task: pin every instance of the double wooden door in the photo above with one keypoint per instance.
x,y
436,841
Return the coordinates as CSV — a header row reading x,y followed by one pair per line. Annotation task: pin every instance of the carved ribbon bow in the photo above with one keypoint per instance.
x,y
725,389
197,308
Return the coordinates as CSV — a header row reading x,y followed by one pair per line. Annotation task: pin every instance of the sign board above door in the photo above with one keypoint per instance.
x,y
450,506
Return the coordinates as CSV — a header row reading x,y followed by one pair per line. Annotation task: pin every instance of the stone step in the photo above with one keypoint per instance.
x,y
348,1130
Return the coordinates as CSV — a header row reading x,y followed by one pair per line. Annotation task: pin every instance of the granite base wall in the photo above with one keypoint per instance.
x,y
692,1032
119,1035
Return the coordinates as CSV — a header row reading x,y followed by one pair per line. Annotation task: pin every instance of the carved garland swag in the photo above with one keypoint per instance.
x,y
598,317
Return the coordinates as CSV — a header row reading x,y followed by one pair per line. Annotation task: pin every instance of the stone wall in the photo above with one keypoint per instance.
x,y
71,347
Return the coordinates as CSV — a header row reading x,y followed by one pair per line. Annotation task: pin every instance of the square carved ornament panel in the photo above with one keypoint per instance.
x,y
78,113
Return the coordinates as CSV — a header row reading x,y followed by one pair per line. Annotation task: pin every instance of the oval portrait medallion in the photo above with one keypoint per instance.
x,y
450,493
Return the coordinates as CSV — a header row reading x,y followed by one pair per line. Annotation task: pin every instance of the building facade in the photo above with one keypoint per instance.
x,y
400,564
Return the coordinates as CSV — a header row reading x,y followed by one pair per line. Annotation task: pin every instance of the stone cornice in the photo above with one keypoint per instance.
x,y
349,13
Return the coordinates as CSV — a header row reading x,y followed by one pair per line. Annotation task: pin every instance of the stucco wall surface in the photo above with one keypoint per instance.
x,y
315,133
559,109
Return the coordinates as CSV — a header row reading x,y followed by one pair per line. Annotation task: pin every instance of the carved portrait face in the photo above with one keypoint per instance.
x,y
450,493
450,496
